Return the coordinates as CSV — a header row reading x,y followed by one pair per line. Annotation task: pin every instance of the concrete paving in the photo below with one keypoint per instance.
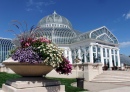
x,y
106,87
122,89
109,81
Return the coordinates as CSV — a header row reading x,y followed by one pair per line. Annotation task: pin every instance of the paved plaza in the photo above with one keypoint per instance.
x,y
106,87
109,81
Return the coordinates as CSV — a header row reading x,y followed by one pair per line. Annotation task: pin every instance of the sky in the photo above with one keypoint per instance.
x,y
85,15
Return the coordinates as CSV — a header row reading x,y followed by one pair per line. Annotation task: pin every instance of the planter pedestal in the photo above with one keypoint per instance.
x,y
32,84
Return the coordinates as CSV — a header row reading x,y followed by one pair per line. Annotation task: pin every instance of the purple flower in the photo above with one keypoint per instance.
x,y
26,55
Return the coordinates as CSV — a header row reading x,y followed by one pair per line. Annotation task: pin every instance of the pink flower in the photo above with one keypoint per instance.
x,y
27,44
44,40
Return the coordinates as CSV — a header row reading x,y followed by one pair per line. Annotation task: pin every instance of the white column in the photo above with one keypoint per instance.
x,y
74,54
0,54
110,58
106,54
96,51
79,53
118,57
101,53
85,59
114,57
65,53
91,53
70,56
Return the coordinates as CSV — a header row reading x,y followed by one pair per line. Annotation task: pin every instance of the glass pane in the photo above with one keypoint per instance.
x,y
112,57
87,49
107,53
87,56
99,57
116,59
98,49
94,57
115,51
108,63
94,49
104,55
104,61
111,51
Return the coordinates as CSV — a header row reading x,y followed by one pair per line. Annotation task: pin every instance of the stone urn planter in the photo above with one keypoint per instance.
x,y
25,69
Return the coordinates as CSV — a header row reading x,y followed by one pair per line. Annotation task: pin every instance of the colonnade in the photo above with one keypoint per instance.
x,y
97,53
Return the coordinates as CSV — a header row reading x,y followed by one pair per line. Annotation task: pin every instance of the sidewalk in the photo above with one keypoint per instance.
x,y
106,87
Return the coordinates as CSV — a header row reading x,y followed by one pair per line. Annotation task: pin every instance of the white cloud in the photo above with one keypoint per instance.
x,y
123,15
125,44
37,5
49,3
126,16
28,9
30,2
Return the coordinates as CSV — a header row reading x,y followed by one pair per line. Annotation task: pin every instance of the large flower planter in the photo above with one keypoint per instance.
x,y
25,69
34,82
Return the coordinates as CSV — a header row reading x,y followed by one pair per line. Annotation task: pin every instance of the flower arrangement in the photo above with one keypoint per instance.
x,y
36,50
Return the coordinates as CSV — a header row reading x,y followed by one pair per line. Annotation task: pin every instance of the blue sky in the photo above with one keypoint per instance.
x,y
85,15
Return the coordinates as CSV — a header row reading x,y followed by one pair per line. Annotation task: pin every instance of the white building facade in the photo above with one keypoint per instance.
x,y
98,45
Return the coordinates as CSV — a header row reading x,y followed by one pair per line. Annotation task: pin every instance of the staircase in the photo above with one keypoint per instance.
x,y
113,76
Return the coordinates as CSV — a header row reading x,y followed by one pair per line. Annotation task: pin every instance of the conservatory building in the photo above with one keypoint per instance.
x,y
5,46
98,45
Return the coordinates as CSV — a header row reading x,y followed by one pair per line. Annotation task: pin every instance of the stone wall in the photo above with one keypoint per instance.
x,y
88,71
3,68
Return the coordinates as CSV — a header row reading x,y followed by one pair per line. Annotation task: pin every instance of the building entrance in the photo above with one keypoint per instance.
x,y
106,58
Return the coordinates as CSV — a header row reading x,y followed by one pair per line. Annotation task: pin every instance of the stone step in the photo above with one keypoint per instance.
x,y
113,76
1,91
111,79
106,81
127,73
116,73
122,77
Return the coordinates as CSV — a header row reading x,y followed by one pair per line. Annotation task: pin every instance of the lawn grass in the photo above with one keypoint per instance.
x,y
5,76
64,81
67,83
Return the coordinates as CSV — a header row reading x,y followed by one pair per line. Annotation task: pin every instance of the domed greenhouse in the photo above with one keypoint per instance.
x,y
57,28
98,45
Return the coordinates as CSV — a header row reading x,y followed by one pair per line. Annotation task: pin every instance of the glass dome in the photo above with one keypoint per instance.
x,y
55,20
56,28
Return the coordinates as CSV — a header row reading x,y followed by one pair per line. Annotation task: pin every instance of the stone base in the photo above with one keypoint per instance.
x,y
60,88
30,84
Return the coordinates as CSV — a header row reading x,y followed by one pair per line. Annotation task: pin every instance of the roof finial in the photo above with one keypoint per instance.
x,y
54,12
